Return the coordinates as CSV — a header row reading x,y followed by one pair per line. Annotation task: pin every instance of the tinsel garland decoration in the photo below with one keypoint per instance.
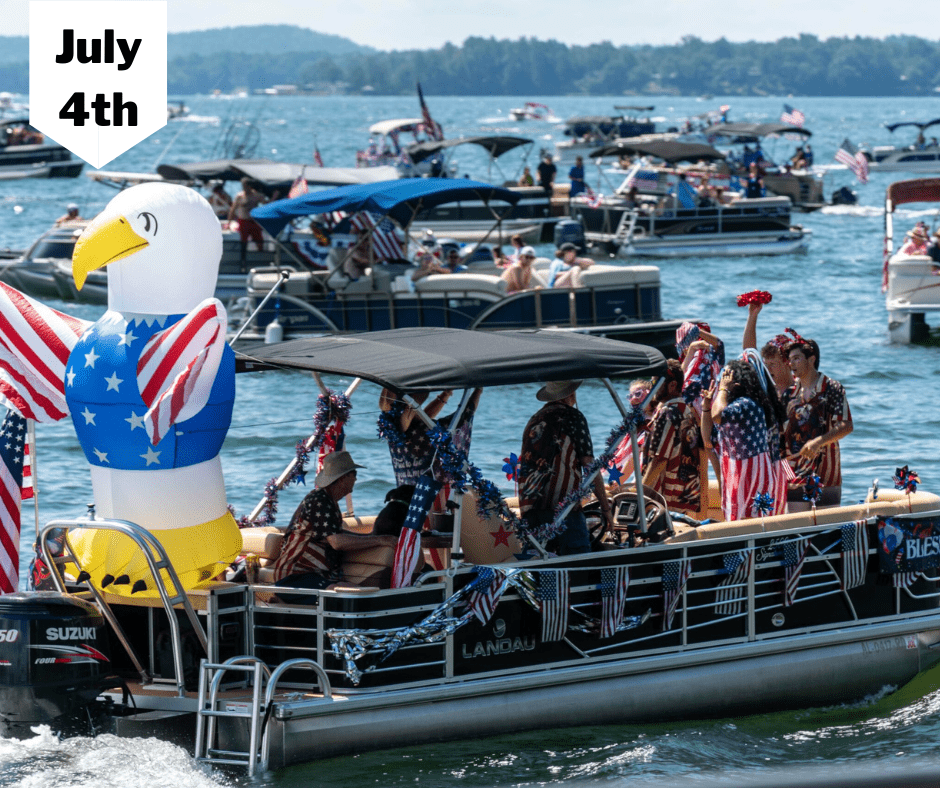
x,y
812,489
388,425
906,480
331,406
755,297
764,503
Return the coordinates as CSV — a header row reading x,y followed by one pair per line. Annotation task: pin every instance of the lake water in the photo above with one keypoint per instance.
x,y
831,294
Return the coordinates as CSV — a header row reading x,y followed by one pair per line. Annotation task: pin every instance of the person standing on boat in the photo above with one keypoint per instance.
x,y
556,446
741,411
245,202
547,171
755,184
818,417
309,556
676,465
220,201
576,174
772,353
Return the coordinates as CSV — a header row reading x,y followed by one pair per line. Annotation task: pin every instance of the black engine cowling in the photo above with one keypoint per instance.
x,y
54,659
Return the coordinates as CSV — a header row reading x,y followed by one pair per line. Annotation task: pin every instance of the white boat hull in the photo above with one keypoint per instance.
x,y
737,246
913,292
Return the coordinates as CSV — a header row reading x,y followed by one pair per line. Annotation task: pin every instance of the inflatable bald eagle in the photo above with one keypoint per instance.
x,y
150,386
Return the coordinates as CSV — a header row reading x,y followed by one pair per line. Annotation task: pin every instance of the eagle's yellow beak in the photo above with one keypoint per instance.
x,y
102,244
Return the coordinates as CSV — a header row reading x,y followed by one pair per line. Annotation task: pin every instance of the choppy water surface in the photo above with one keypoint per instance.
x,y
831,294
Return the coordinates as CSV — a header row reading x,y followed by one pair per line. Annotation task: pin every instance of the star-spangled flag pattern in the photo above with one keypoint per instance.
x,y
746,465
730,596
903,579
408,549
35,342
27,488
485,592
298,187
614,584
12,443
552,593
854,553
385,240
794,555
792,116
431,126
177,367
854,159
675,576
316,155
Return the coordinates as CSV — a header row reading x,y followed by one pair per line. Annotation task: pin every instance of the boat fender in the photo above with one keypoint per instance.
x,y
274,333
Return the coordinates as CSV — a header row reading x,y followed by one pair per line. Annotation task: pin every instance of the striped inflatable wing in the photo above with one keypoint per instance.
x,y
35,342
178,366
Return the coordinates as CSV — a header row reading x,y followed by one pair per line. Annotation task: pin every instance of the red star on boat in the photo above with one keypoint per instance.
x,y
501,536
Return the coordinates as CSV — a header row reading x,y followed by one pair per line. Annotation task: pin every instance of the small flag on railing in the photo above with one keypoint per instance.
x,y
552,593
408,549
298,187
12,443
614,584
675,576
729,599
794,554
792,116
903,579
854,553
486,591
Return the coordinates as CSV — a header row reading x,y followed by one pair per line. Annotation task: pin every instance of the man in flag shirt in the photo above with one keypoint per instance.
x,y
818,417
676,464
556,445
741,412
309,556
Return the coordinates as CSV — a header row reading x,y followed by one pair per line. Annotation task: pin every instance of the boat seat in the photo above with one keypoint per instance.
x,y
474,283
262,281
599,275
198,597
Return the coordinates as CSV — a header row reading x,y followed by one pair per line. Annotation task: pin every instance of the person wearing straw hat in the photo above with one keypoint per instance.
x,y
917,240
309,556
556,445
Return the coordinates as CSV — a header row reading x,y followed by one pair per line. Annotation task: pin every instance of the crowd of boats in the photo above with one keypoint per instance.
x,y
668,616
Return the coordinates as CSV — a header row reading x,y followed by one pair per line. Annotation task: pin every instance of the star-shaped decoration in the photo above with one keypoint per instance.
x,y
70,377
613,474
89,417
90,358
501,536
126,338
152,457
101,455
113,382
135,421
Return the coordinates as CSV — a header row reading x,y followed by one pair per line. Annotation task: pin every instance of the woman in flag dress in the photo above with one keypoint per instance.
x,y
740,412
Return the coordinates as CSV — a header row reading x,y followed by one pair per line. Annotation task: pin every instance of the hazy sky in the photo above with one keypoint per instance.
x,y
426,24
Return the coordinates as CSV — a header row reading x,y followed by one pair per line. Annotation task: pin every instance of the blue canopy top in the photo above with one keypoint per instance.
x,y
400,199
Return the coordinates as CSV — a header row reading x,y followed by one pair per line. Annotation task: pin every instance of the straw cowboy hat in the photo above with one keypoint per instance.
x,y
557,389
335,466
920,233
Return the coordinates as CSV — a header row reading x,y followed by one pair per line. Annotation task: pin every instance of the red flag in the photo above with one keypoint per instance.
x,y
317,157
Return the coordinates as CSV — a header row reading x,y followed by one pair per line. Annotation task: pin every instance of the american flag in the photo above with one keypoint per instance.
x,y
552,593
903,579
384,239
35,342
854,159
614,584
298,187
792,116
177,367
12,445
642,179
794,555
729,599
675,576
431,126
408,549
28,488
485,592
746,466
854,553
316,155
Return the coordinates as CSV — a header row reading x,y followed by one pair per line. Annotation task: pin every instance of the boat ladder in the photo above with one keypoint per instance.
x,y
257,711
625,229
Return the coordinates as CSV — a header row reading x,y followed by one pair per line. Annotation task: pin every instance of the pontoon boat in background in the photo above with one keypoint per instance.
x,y
922,156
26,153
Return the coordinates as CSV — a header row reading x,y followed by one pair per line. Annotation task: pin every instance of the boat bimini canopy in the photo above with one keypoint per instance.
x,y
915,190
494,146
669,151
400,124
892,126
750,132
401,200
427,359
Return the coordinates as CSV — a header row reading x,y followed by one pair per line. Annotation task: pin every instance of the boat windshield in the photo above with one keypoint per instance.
x,y
53,248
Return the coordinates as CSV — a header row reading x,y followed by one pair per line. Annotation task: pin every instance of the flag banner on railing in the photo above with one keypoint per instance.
x,y
794,556
908,545
675,576
730,596
854,553
552,593
408,550
485,592
614,584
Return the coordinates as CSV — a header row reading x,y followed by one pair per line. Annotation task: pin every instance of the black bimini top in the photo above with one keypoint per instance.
x,y
754,131
426,359
495,146
667,150
920,125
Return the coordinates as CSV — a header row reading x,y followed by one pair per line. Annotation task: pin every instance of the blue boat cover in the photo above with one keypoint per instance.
x,y
401,200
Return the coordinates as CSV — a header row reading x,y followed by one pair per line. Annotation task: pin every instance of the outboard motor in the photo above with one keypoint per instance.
x,y
54,660
844,196
569,231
